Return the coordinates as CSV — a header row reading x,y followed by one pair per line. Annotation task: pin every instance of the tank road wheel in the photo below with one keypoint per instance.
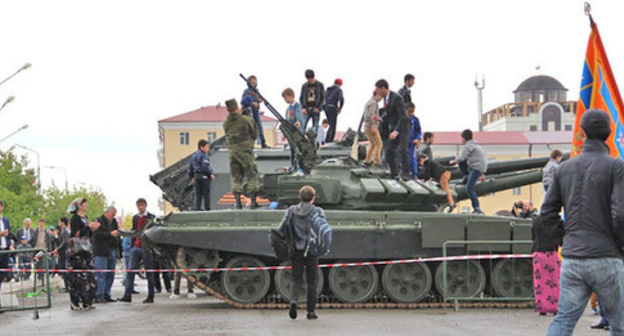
x,y
194,258
283,283
406,283
353,284
463,278
513,278
245,286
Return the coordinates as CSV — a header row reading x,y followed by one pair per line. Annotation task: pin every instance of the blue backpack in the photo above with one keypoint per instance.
x,y
319,235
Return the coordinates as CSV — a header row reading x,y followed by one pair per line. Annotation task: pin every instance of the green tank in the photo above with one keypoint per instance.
x,y
373,218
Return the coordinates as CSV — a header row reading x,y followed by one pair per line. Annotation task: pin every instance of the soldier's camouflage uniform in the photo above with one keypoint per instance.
x,y
241,133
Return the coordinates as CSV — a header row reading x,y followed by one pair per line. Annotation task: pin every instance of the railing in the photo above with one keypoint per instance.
x,y
25,286
512,269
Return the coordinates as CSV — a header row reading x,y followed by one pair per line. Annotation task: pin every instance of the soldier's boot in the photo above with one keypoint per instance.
x,y
254,202
239,205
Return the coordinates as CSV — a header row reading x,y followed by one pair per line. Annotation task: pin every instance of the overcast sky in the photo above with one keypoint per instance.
x,y
104,72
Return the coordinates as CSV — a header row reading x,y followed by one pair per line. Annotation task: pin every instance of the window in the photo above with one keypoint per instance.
x,y
184,138
517,191
211,136
568,127
533,128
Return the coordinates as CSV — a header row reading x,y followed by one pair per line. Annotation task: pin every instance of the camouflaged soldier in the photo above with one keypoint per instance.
x,y
241,133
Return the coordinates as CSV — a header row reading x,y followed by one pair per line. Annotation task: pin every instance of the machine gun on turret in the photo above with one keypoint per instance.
x,y
303,145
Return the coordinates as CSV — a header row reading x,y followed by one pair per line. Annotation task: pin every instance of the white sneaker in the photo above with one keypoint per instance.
x,y
191,296
174,296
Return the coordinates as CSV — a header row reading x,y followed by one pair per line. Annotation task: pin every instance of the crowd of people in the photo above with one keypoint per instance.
x,y
78,243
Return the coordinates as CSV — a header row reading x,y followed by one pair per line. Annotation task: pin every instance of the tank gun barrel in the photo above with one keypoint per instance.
x,y
501,182
499,167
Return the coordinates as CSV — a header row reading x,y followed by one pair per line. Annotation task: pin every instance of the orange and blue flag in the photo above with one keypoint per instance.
x,y
599,90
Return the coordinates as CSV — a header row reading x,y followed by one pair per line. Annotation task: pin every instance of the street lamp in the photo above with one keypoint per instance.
x,y
38,180
10,99
10,135
24,67
64,171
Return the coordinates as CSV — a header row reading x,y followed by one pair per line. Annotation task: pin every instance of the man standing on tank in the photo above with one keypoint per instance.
x,y
201,174
255,107
473,164
399,128
406,91
312,99
334,101
241,133
590,187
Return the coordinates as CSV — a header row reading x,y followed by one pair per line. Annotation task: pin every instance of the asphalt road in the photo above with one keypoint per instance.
x,y
207,316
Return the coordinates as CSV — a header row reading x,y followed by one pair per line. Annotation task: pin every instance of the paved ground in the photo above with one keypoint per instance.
x,y
207,316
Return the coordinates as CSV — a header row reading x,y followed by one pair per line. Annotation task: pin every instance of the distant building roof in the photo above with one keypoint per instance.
x,y
540,82
506,138
207,114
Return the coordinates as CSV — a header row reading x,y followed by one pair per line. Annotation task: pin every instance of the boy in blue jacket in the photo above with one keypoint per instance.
x,y
415,136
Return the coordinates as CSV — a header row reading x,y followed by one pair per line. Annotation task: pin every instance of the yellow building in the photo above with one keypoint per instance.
x,y
505,146
179,134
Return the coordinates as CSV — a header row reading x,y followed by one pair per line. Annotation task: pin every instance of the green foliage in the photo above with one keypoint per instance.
x,y
19,193
56,202
18,190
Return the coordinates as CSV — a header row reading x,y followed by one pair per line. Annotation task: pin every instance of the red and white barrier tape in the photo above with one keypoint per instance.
x,y
238,269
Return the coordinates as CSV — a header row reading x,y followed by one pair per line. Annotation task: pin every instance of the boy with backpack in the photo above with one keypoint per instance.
x,y
310,238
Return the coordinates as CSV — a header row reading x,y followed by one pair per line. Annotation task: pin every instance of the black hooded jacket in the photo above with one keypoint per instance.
x,y
590,188
300,216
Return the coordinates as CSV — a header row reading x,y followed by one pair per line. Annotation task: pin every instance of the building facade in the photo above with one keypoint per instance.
x,y
540,104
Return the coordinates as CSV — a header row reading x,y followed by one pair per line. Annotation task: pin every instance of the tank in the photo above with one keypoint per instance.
x,y
373,218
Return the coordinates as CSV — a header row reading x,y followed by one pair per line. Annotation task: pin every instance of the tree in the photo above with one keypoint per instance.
x,y
19,193
18,190
56,202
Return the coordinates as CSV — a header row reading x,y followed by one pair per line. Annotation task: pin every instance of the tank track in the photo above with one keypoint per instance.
x,y
325,301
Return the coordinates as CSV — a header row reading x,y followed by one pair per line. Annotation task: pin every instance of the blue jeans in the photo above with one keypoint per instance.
x,y
127,264
258,119
105,280
581,277
472,178
313,116
136,255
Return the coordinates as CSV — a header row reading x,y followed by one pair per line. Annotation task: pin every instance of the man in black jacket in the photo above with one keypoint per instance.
x,y
105,242
399,128
590,187
312,99
405,91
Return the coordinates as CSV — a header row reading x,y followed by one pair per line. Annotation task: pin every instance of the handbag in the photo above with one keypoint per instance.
x,y
80,245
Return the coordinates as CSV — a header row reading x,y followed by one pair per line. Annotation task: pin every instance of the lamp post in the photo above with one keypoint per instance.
x,y
38,180
10,135
64,171
10,99
24,67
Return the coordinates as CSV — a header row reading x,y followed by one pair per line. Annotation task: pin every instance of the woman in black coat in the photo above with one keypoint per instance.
x,y
81,286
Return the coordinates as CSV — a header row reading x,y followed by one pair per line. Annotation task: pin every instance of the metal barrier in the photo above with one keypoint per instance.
x,y
515,271
25,285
